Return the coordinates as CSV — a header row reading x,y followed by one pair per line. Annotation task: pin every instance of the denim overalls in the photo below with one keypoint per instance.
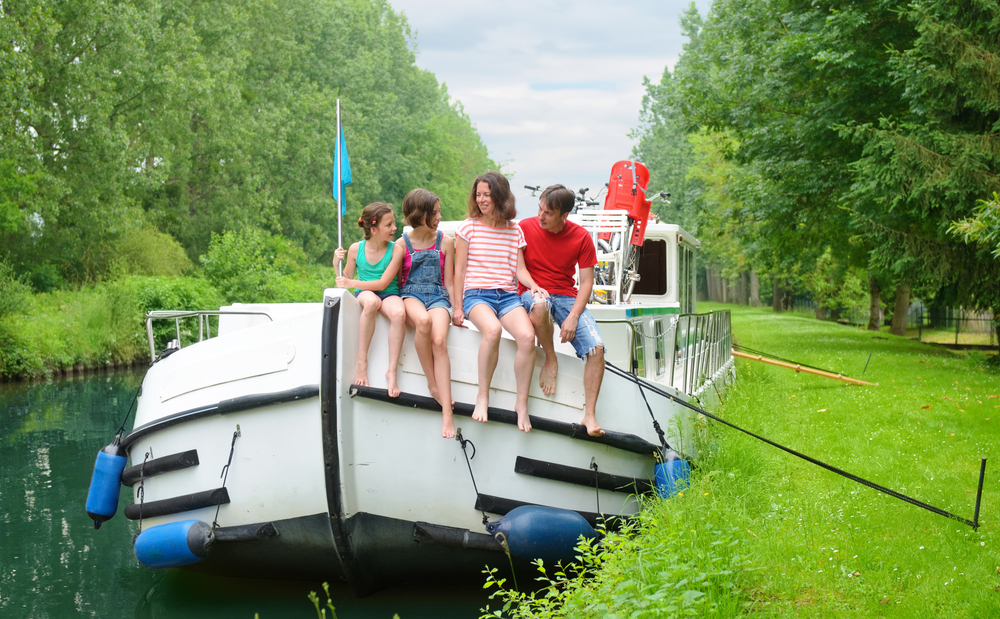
x,y
424,279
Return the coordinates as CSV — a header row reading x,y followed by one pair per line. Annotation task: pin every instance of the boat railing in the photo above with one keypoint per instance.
x,y
204,323
702,352
691,353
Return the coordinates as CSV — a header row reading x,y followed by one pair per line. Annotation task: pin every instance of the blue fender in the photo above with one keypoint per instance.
x,y
174,544
672,476
539,532
105,484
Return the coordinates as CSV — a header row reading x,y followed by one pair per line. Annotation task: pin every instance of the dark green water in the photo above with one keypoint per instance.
x,y
53,564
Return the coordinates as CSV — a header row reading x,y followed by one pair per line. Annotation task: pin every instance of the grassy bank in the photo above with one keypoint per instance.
x,y
762,533
92,327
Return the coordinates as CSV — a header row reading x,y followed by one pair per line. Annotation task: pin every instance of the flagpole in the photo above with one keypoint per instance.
x,y
338,180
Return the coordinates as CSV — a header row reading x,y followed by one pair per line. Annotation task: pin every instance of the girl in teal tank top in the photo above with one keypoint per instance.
x,y
376,261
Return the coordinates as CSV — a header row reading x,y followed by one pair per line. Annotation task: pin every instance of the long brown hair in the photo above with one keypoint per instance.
x,y
503,199
371,215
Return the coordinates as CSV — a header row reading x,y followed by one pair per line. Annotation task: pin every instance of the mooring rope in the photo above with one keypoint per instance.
x,y
864,482
135,399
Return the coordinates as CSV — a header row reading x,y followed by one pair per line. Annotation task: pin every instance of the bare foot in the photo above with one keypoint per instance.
x,y
590,422
523,422
393,387
361,373
547,377
481,412
448,428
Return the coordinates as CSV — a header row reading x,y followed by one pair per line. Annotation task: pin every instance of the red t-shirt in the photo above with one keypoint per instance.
x,y
552,259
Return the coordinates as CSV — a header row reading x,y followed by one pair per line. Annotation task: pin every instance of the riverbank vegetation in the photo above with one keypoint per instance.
x,y
836,151
139,136
763,533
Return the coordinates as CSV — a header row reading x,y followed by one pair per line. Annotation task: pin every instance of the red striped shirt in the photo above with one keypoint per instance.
x,y
492,260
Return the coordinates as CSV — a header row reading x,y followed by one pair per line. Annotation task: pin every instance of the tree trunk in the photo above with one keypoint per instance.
x,y
744,288
754,289
776,300
875,306
900,311
820,312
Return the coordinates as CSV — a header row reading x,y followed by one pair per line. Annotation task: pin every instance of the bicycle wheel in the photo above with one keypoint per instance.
x,y
630,272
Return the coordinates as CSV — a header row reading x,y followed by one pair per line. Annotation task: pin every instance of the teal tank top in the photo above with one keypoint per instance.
x,y
373,272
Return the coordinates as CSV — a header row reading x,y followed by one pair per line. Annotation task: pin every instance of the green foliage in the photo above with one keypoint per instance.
x,y
150,252
983,228
191,118
678,561
835,286
825,546
95,325
321,612
14,293
252,266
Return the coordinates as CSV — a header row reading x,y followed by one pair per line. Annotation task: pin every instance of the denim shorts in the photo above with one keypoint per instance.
x,y
587,336
431,300
500,301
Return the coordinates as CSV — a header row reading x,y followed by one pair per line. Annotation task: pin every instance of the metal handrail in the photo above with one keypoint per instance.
x,y
204,327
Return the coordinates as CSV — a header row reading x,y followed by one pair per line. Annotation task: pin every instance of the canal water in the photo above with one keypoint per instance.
x,y
53,564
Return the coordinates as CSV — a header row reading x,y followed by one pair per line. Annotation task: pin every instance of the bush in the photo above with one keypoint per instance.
x,y
150,252
253,266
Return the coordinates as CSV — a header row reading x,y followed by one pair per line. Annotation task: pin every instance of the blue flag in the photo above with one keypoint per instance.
x,y
345,172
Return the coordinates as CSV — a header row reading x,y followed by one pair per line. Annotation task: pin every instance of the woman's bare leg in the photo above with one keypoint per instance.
x,y
393,309
486,322
517,323
370,304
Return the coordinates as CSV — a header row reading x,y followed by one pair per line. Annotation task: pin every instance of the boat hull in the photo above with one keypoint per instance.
x,y
262,433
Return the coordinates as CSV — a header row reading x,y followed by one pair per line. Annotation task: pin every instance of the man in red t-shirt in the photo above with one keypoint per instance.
x,y
556,247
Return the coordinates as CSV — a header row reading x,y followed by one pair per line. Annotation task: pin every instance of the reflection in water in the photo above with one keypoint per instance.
x,y
53,564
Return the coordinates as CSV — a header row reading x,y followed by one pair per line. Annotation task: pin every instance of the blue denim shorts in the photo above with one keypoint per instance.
x,y
587,336
430,300
500,301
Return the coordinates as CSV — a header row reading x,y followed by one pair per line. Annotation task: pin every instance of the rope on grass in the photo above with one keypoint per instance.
x,y
864,482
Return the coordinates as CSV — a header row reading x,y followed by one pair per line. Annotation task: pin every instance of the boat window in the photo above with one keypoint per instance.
x,y
652,268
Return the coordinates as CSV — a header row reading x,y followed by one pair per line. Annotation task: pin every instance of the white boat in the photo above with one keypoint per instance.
x,y
256,429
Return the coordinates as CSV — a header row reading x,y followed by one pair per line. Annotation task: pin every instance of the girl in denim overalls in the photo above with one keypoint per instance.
x,y
428,264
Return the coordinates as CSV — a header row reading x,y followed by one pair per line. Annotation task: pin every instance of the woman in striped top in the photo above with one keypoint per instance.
x,y
489,261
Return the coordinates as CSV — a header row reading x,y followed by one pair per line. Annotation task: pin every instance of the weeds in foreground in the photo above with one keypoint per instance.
x,y
673,562
321,612
764,534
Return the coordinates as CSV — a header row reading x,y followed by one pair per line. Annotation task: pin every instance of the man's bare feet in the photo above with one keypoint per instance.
x,y
393,387
448,428
361,373
547,377
482,409
590,422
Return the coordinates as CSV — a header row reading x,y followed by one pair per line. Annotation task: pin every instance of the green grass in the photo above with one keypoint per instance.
x,y
799,541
